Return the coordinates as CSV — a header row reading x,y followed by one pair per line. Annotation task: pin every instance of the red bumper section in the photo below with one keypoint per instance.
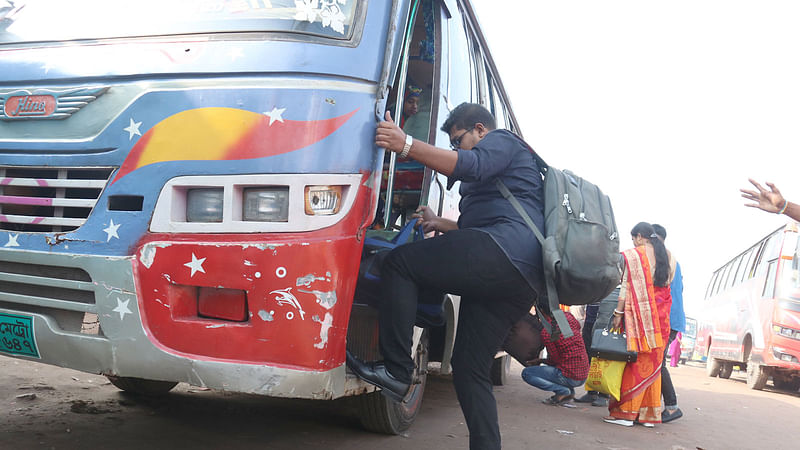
x,y
281,304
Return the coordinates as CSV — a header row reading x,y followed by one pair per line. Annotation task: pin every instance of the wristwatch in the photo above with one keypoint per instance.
x,y
407,146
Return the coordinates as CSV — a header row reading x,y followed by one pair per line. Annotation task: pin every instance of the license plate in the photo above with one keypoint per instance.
x,y
16,335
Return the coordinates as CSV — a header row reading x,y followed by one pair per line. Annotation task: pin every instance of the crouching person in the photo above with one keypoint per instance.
x,y
566,366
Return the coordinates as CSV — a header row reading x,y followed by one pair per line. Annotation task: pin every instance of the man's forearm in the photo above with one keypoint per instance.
x,y
444,225
440,160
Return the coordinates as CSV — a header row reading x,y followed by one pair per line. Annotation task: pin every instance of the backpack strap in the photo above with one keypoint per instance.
x,y
552,294
518,207
543,166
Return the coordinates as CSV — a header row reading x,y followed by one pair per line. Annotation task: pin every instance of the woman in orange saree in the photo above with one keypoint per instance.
x,y
644,303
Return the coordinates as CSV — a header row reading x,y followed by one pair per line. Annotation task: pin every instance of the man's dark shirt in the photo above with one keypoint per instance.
x,y
500,154
568,354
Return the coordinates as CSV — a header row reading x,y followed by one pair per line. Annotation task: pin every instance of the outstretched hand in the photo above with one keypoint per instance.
x,y
389,135
770,201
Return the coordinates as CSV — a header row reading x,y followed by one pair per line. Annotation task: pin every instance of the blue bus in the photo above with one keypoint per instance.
x,y
186,186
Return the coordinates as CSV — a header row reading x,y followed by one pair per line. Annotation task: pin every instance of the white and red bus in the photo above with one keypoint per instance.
x,y
751,313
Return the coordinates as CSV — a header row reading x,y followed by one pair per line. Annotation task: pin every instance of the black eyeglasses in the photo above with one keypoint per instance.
x,y
456,143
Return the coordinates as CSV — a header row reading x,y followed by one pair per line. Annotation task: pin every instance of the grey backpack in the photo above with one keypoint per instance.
x,y
580,244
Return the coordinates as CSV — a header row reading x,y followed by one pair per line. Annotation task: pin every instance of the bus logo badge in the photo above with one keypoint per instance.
x,y
46,103
30,106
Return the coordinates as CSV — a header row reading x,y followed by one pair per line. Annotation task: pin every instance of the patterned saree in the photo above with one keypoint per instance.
x,y
647,327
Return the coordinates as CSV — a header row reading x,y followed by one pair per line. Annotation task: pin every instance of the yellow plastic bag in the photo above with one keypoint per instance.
x,y
605,376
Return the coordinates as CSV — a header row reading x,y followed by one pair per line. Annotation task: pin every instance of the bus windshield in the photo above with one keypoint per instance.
x,y
26,21
790,275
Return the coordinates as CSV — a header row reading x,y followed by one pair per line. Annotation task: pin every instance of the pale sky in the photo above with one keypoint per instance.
x,y
667,106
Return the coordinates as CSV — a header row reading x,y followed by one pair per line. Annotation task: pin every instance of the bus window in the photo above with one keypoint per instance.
x,y
773,246
717,278
748,263
722,278
737,264
769,284
500,109
483,79
710,287
730,275
460,71
768,252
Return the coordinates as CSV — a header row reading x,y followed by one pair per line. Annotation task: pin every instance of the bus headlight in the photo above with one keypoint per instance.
x,y
204,205
254,203
268,204
786,331
323,200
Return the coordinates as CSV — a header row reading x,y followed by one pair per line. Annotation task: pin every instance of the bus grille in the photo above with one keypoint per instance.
x,y
64,293
47,199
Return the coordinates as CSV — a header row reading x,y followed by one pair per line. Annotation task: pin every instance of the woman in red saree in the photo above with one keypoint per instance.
x,y
644,303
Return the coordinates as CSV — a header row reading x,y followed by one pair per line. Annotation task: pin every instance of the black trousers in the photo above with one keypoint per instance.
x,y
494,295
588,324
667,389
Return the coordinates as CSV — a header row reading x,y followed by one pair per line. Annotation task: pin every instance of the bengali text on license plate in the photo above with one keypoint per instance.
x,y
16,335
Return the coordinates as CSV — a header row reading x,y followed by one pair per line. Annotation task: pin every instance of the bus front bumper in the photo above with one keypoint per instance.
x,y
92,320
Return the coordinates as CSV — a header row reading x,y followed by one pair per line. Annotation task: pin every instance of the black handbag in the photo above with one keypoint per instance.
x,y
611,345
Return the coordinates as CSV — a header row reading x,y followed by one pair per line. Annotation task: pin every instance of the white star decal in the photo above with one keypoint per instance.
x,y
196,265
12,241
122,308
111,230
236,53
275,114
133,129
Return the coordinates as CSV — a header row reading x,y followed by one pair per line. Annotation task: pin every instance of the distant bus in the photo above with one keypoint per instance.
x,y
688,341
751,313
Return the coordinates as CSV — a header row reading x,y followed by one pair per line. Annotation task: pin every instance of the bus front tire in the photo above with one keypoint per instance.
x,y
382,415
726,370
500,369
757,375
141,386
713,366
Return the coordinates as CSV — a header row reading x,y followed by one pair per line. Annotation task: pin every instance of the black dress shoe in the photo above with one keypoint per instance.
x,y
376,373
588,397
668,415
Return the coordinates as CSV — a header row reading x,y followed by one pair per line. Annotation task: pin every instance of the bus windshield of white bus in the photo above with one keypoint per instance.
x,y
29,21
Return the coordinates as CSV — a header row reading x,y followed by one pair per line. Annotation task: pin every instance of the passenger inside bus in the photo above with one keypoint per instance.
x,y
409,174
410,103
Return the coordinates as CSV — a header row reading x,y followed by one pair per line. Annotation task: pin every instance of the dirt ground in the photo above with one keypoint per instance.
x,y
53,408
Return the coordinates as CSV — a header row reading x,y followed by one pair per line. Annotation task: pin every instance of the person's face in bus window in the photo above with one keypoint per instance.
x,y
410,106
466,139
